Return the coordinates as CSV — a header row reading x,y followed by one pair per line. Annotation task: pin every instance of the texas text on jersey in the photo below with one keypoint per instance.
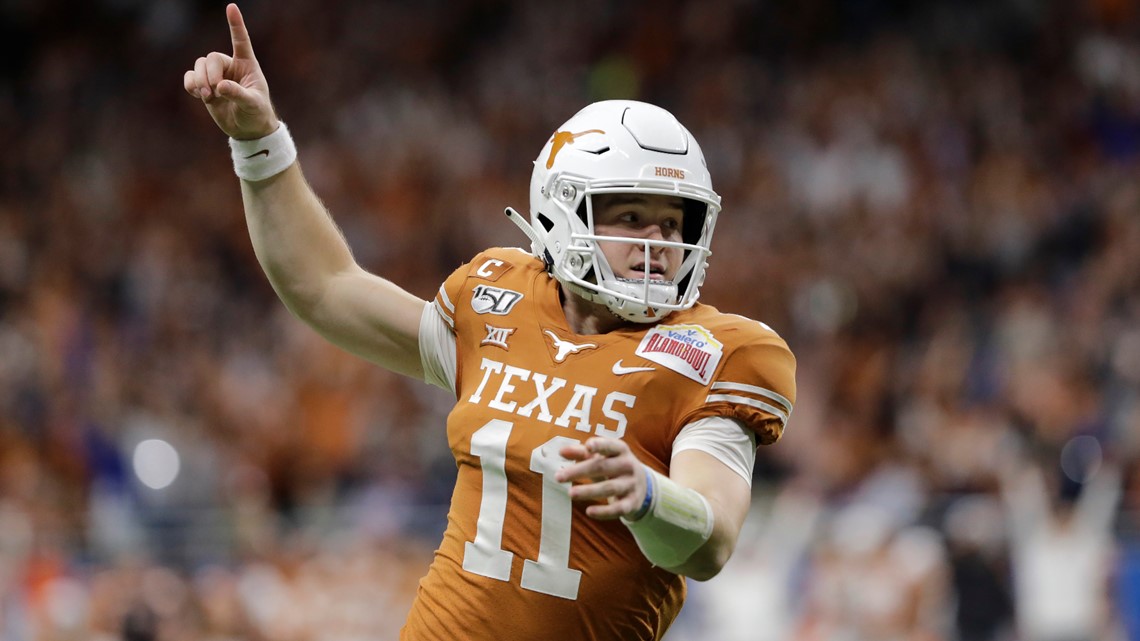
x,y
519,560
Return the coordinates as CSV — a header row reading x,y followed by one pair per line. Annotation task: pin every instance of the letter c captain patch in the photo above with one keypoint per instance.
x,y
492,269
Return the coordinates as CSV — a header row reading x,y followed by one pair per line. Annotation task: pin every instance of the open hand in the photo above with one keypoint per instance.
x,y
233,88
604,469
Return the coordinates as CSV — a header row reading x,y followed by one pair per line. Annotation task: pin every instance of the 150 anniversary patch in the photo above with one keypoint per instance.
x,y
494,300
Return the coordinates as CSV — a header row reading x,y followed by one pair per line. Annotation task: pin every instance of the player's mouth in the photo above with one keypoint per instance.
x,y
656,272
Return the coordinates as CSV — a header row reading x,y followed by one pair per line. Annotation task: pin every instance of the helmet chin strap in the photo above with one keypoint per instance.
x,y
658,294
613,304
596,298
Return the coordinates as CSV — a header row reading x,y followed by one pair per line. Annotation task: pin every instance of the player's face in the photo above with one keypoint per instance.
x,y
640,216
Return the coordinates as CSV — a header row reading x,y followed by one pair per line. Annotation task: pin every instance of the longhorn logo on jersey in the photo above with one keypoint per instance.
x,y
689,350
494,300
562,348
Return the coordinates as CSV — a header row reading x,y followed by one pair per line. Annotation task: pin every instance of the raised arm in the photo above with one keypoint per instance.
x,y
300,248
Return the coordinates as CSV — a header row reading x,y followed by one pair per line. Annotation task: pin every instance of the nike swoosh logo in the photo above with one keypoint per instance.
x,y
258,153
619,370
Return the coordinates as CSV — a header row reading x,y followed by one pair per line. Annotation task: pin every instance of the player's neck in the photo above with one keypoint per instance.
x,y
587,317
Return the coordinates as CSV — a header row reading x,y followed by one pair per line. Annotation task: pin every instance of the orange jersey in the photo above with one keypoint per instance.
x,y
519,560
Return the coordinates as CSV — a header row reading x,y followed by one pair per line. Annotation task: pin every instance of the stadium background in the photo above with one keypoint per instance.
x,y
935,203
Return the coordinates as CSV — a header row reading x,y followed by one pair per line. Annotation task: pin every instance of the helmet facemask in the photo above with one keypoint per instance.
x,y
609,156
645,298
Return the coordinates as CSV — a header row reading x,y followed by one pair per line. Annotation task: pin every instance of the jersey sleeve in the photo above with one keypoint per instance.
x,y
440,321
437,349
724,439
755,386
444,301
487,267
437,332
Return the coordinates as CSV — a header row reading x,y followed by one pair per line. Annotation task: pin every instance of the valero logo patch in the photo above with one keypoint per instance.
x,y
690,350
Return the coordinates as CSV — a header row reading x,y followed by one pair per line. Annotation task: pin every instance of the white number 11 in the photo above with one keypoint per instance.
x,y
485,556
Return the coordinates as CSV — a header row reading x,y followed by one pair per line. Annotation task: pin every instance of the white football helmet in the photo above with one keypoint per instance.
x,y
620,146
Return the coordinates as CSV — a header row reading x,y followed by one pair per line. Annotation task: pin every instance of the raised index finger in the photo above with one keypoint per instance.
x,y
243,48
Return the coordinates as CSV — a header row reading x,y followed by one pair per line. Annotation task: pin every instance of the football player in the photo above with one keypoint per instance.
x,y
605,422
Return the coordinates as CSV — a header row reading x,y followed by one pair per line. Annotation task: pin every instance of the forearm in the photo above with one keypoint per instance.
x,y
683,530
299,246
687,522
310,266
708,560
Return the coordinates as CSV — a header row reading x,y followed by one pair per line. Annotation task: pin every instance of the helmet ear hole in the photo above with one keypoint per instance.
x,y
545,221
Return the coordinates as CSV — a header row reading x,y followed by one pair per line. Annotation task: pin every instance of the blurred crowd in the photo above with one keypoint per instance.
x,y
935,203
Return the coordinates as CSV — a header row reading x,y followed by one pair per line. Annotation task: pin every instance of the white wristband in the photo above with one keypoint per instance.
x,y
263,157
678,522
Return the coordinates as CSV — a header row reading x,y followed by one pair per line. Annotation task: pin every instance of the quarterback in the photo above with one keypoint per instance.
x,y
605,422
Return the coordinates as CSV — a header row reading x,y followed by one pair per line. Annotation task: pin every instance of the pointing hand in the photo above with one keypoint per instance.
x,y
233,88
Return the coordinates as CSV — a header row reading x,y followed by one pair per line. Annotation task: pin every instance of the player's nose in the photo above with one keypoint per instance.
x,y
653,231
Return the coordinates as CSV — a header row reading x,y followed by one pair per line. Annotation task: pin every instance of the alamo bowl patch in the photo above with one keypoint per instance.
x,y
689,350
